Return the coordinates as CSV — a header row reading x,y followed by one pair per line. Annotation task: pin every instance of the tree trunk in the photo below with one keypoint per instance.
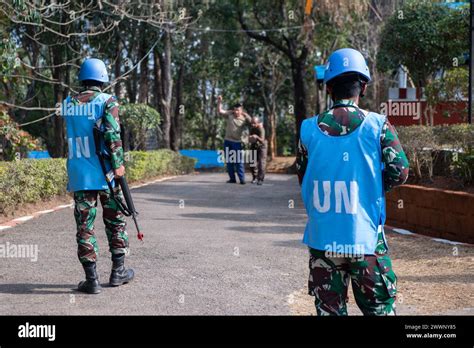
x,y
157,83
205,125
299,95
132,87
117,67
176,124
272,142
212,118
143,88
58,147
166,89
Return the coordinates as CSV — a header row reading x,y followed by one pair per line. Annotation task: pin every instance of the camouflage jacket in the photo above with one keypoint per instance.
x,y
111,123
345,119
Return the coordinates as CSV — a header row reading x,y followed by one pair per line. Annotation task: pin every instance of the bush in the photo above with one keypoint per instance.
x,y
136,120
149,164
31,181
13,140
423,144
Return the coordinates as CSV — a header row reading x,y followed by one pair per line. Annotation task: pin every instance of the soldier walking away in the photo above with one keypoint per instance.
x,y
347,159
258,143
82,112
237,120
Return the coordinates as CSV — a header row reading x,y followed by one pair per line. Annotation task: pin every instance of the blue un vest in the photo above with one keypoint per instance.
x,y
342,188
83,166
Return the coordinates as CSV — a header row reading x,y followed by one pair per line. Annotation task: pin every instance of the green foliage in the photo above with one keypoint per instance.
x,y
137,119
456,136
452,87
423,144
7,54
285,134
149,164
415,140
425,37
31,181
14,140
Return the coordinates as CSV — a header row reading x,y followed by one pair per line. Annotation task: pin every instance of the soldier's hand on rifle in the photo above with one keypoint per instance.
x,y
119,172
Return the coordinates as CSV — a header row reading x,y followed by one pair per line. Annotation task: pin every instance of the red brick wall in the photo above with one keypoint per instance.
x,y
432,212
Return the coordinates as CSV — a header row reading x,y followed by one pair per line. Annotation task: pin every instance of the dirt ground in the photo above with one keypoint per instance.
x,y
280,165
30,208
433,278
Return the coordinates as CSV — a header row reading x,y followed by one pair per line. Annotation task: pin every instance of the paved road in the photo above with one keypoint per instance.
x,y
231,249
207,253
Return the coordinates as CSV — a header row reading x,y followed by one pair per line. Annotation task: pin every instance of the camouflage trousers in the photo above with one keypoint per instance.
x,y
258,170
85,211
373,283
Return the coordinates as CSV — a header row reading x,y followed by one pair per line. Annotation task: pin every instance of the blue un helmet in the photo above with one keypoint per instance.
x,y
93,69
346,60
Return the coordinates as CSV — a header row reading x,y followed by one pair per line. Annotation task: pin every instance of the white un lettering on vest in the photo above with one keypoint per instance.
x,y
82,147
349,196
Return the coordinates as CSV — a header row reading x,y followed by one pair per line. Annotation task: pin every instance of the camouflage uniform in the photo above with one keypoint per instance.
x,y
85,212
258,169
373,280
86,201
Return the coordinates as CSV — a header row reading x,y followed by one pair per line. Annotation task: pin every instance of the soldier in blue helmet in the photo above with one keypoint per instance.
x,y
347,159
83,112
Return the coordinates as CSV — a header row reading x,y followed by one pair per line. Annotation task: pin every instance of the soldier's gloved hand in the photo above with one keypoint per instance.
x,y
119,172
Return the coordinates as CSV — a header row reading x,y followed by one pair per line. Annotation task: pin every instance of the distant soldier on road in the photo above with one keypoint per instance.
x,y
347,159
258,143
94,108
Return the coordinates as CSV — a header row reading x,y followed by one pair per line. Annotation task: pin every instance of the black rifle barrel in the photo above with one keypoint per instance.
x,y
129,208
129,202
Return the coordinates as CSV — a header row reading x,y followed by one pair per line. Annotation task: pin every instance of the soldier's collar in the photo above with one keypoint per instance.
x,y
93,88
345,102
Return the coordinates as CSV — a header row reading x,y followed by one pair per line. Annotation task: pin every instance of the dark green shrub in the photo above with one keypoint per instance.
x,y
136,120
423,144
149,164
31,181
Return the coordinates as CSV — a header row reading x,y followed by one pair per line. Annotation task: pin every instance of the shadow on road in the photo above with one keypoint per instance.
x,y
269,229
37,289
245,217
293,243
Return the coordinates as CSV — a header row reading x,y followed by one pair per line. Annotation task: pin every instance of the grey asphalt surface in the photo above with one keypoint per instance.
x,y
231,249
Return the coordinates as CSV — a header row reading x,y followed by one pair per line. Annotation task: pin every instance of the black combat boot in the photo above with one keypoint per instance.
x,y
120,275
91,284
